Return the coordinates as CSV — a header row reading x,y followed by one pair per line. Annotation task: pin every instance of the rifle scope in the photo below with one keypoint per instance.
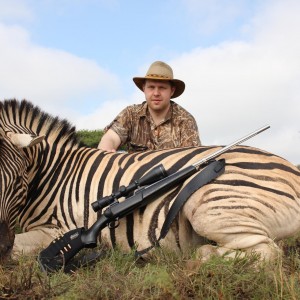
x,y
157,173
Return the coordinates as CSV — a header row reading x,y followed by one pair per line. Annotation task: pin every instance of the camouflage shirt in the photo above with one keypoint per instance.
x,y
138,132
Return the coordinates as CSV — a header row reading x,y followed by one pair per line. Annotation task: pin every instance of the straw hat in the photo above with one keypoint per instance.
x,y
161,71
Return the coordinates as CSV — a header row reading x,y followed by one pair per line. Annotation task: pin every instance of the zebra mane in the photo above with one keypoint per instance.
x,y
24,117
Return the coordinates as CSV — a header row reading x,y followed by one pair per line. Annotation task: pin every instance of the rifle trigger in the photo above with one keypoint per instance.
x,y
114,224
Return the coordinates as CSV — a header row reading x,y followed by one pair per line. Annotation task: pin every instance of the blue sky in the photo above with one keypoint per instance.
x,y
239,59
117,32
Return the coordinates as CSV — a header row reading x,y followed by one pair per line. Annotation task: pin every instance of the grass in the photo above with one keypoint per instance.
x,y
166,275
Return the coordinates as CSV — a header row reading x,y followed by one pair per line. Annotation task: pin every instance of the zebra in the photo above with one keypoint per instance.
x,y
49,180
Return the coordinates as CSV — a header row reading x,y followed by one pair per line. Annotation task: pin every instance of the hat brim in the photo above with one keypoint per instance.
x,y
179,85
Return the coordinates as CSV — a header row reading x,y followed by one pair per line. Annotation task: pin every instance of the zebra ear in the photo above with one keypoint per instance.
x,y
23,140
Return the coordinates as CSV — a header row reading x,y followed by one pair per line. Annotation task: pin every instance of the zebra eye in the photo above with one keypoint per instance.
x,y
18,181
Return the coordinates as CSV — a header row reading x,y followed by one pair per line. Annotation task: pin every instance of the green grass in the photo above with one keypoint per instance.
x,y
165,275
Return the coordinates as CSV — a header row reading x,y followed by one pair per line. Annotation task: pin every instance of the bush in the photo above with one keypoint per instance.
x,y
90,138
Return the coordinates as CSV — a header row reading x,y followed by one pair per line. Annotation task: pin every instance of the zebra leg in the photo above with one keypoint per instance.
x,y
29,241
231,231
204,253
266,250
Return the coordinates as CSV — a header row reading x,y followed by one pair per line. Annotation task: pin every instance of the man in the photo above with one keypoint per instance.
x,y
158,122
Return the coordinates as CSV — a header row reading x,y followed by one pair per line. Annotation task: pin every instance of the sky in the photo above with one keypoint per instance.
x,y
239,59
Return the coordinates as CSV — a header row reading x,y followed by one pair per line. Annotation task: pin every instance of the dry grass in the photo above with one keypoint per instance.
x,y
165,276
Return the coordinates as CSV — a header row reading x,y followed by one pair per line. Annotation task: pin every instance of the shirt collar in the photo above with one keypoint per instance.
x,y
144,112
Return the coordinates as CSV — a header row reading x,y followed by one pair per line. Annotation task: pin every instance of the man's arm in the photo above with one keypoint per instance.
x,y
110,141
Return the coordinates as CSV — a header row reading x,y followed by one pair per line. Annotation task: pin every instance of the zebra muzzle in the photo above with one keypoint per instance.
x,y
6,240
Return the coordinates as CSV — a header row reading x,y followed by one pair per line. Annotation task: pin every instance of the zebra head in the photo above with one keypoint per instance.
x,y
13,183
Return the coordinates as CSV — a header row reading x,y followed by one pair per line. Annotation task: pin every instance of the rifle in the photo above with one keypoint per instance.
x,y
148,188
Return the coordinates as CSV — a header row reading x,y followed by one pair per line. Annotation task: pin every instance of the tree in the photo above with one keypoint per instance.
x,y
90,138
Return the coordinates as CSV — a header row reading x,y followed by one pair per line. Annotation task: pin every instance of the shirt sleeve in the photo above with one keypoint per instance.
x,y
121,125
189,133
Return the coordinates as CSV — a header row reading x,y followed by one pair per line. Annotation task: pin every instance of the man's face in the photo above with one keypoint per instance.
x,y
158,94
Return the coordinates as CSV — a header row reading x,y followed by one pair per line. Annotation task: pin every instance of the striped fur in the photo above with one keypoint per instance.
x,y
50,185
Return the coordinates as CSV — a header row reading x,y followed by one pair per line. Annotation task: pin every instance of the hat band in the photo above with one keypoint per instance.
x,y
158,76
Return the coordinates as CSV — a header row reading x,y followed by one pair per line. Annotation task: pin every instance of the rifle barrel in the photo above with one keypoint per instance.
x,y
226,148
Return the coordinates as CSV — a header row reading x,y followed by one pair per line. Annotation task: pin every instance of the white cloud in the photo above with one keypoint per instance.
x,y
209,17
103,115
236,87
49,77
15,10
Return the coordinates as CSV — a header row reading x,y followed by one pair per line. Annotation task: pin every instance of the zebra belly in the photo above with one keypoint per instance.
x,y
241,220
